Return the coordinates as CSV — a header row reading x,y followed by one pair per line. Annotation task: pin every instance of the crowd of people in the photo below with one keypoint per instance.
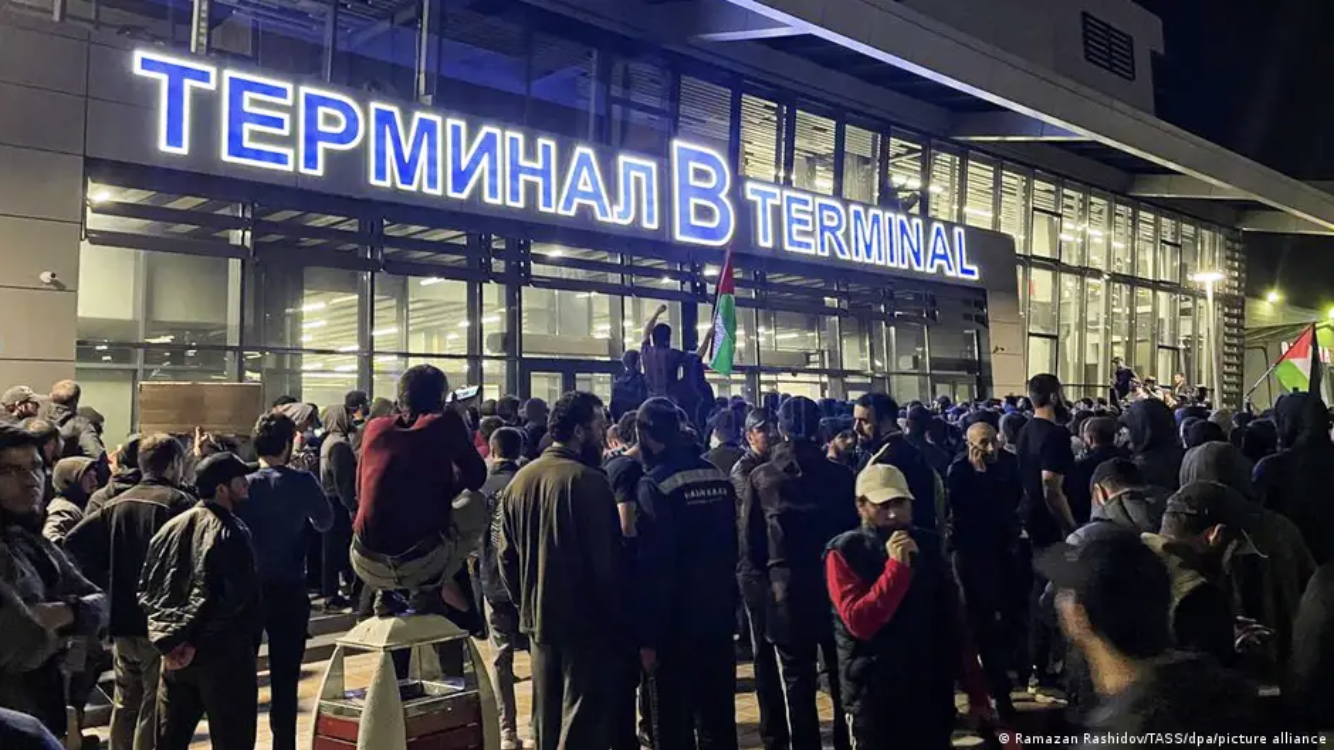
x,y
1149,567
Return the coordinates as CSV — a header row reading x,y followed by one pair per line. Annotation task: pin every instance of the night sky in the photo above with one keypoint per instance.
x,y
1258,78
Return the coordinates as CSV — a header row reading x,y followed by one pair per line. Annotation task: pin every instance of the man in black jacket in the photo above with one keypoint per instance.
x,y
761,436
502,616
200,591
875,419
806,500
110,546
126,474
79,436
1099,434
687,612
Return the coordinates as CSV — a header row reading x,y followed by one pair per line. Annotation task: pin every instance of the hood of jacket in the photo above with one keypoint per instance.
x,y
1301,419
1221,463
1137,509
1151,426
790,456
302,414
337,421
67,474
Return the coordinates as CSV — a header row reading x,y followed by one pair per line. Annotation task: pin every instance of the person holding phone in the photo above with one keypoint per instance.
x,y
898,624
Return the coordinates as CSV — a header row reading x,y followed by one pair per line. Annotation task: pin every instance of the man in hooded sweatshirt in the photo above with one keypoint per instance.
x,y
1155,444
338,477
74,479
125,476
1298,481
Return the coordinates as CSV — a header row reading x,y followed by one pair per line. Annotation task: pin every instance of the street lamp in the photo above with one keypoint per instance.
x,y
1273,297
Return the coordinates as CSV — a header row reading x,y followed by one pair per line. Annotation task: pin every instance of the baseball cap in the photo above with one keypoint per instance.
x,y
19,394
1115,564
757,418
880,483
219,468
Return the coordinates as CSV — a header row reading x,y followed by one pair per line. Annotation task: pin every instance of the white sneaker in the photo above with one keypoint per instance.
x,y
510,741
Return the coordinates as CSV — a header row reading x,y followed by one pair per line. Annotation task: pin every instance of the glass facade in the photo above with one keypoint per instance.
x,y
352,293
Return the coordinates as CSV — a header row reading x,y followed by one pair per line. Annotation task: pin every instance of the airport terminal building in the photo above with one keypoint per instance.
x,y
924,197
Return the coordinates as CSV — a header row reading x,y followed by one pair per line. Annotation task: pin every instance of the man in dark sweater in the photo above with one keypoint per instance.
x,y
1099,434
684,585
407,534
110,546
283,502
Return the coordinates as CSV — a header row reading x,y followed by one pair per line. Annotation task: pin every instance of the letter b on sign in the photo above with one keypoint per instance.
x,y
702,212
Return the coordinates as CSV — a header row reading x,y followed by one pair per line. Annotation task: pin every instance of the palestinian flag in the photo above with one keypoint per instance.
x,y
1299,367
723,350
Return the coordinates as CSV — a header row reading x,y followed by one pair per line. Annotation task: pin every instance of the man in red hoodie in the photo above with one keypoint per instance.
x,y
899,624
414,529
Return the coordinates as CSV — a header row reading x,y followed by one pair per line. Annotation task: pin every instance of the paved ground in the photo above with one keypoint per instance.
x,y
359,674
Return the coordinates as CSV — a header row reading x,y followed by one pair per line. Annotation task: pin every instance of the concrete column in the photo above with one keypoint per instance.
x,y
43,74
1006,331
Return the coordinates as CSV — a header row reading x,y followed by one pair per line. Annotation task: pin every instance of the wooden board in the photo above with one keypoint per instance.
x,y
219,408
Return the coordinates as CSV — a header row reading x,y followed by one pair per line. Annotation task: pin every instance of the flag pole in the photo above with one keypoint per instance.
x,y
1315,352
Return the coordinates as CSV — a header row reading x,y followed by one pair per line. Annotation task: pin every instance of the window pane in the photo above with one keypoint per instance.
x,y
1169,252
1122,240
907,388
1014,210
315,378
705,115
1189,251
563,323
542,251
113,392
944,186
793,340
1167,365
1144,341
761,143
1022,272
483,62
306,308
907,347
387,369
640,95
1146,232
1095,335
189,365
561,92
1168,318
596,383
187,299
861,165
855,344
422,315
1071,325
494,319
1120,322
1098,229
977,209
546,386
494,381
1041,301
1190,339
813,153
1041,355
905,171
1072,227
1046,219
811,386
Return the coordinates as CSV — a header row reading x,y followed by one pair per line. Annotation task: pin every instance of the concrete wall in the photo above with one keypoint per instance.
x,y
1049,33
43,71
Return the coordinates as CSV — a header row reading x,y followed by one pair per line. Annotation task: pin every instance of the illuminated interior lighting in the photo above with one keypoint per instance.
x,y
703,326
430,281
490,319
346,368
100,196
982,212
306,339
314,306
390,331
313,366
824,184
343,300
451,337
315,323
1272,298
1094,233
1067,237
348,348
789,335
898,180
1119,245
386,358
914,184
106,357
666,279
935,189
583,295
101,347
464,324
710,271
160,339
1208,277
553,253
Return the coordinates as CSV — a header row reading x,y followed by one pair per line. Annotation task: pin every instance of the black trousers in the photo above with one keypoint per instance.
x,y
336,567
800,682
880,729
769,688
993,599
573,695
219,683
286,620
695,686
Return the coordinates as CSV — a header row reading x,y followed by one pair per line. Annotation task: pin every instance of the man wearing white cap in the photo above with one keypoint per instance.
x,y
898,623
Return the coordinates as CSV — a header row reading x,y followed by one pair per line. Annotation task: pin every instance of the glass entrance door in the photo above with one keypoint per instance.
x,y
550,380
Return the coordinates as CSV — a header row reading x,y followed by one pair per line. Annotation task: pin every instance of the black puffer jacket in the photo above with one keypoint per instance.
x,y
78,436
200,582
1298,481
1155,445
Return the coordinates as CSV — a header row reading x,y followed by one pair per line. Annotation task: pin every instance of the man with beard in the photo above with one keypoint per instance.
x,y
74,480
687,598
805,500
875,418
19,403
898,623
44,600
200,591
1099,435
110,546
560,559
761,435
1045,457
984,496
125,475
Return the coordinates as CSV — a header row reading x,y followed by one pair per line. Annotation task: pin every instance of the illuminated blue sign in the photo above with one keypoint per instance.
x,y
275,125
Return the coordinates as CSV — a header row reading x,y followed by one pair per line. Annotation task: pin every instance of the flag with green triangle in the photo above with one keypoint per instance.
x,y
1299,367
722,353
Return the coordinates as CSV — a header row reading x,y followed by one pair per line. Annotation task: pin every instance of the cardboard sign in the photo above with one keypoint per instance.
x,y
219,408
